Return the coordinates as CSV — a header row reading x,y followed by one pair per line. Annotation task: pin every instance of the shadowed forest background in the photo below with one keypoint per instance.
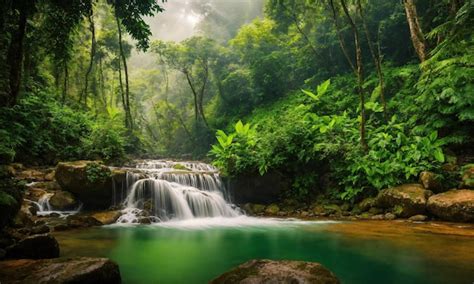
x,y
356,95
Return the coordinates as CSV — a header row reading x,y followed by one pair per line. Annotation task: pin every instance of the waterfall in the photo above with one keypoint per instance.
x,y
45,208
159,191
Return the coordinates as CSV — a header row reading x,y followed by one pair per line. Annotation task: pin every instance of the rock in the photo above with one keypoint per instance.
x,y
107,217
467,176
319,211
378,217
43,229
3,253
22,219
303,214
332,209
375,211
63,200
90,182
35,247
366,204
453,205
60,270
272,209
346,207
418,218
405,200
390,216
31,175
365,216
283,271
50,175
254,209
11,196
76,221
431,181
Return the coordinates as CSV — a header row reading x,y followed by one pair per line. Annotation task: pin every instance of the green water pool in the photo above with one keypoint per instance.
x,y
196,252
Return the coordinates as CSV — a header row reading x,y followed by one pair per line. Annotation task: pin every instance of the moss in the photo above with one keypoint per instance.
x,y
272,209
97,173
180,167
397,210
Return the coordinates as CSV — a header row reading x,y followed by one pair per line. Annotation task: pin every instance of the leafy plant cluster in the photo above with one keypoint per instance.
x,y
295,137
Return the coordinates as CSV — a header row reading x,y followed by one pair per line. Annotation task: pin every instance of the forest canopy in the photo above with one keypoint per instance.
x,y
361,94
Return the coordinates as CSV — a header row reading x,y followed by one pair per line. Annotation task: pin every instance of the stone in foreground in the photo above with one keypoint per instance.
x,y
453,205
35,247
272,271
60,270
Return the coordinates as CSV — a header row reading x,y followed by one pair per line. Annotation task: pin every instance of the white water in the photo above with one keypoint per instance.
x,y
45,209
164,191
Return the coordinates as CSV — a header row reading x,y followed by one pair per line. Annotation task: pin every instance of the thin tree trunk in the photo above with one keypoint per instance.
x,y
195,95
15,58
376,56
92,54
65,82
341,39
416,33
203,90
360,78
128,120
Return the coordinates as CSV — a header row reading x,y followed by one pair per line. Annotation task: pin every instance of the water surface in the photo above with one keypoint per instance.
x,y
196,251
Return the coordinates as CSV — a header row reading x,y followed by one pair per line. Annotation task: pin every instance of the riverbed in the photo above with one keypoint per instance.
x,y
198,250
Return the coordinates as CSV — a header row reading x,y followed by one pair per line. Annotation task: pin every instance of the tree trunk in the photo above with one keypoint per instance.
x,y
341,39
65,82
195,95
128,115
92,54
15,59
360,78
416,33
377,59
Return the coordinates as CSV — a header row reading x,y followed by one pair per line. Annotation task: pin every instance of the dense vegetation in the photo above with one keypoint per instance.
x,y
352,95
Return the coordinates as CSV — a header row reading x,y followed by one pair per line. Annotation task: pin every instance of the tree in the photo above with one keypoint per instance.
x,y
417,37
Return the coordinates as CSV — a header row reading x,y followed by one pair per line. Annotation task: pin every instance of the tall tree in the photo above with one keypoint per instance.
x,y
417,37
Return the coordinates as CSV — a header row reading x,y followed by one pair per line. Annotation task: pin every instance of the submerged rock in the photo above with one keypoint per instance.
x,y
418,218
35,247
453,205
76,221
107,217
405,200
283,271
90,182
60,270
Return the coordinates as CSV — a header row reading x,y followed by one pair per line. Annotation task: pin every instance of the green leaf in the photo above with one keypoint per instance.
x,y
311,95
323,87
439,156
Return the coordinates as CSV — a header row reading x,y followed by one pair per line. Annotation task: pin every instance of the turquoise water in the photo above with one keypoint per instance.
x,y
196,252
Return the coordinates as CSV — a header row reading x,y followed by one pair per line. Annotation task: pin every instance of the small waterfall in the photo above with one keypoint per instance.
x,y
168,190
45,208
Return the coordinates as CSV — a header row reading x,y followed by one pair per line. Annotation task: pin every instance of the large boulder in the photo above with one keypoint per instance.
x,y
91,182
63,200
467,176
283,271
431,181
405,200
60,270
35,247
453,205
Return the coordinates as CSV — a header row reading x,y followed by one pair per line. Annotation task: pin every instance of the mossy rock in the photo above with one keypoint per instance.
x,y
405,200
332,209
272,209
467,176
366,204
90,181
180,167
254,209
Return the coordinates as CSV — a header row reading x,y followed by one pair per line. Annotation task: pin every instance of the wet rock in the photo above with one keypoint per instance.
x,y
418,218
467,176
254,209
35,247
60,270
61,227
319,210
431,181
3,253
304,214
283,271
76,221
43,229
31,175
282,213
49,176
107,217
272,209
54,215
378,217
144,220
365,216
405,200
91,182
453,205
390,216
366,204
375,211
21,220
63,200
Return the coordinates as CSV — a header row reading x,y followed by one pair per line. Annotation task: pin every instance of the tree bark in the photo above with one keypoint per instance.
x,y
126,99
92,54
416,33
15,58
360,78
376,56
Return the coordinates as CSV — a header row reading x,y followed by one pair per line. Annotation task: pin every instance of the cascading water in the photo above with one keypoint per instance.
x,y
166,190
